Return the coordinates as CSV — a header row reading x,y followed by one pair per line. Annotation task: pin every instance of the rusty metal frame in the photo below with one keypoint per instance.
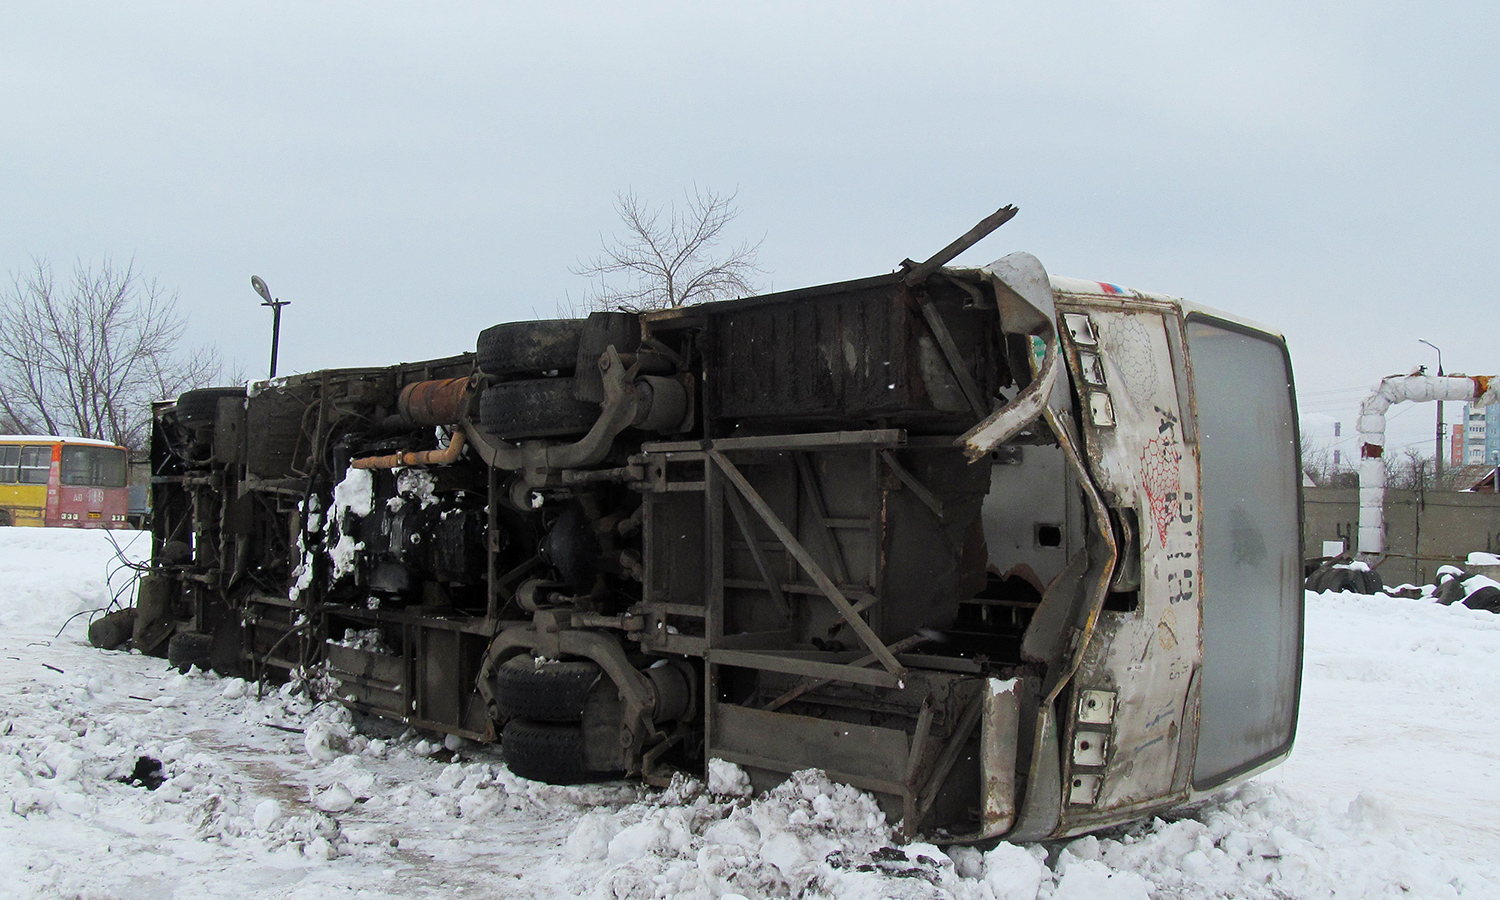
x,y
820,516
910,820
805,559
757,554
773,661
954,358
793,693
916,274
952,749
918,489
820,440
713,602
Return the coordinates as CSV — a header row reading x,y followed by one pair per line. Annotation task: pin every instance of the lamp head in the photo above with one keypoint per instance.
x,y
260,288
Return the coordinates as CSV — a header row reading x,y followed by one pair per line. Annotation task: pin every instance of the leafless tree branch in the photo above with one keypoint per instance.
x,y
665,258
1325,468
88,359
1410,471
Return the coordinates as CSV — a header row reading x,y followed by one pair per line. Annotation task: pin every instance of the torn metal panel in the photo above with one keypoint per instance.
x,y
1023,294
998,738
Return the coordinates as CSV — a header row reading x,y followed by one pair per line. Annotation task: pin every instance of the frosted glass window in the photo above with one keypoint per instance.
x,y
1252,565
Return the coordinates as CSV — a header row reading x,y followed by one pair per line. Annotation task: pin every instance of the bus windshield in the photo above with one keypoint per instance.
x,y
93,466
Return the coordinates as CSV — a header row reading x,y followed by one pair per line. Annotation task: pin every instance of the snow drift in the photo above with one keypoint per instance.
x,y
268,793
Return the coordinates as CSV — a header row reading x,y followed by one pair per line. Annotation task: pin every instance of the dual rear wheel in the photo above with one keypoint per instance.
x,y
539,402
544,701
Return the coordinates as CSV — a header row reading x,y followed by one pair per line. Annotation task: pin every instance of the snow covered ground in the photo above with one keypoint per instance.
x,y
1393,790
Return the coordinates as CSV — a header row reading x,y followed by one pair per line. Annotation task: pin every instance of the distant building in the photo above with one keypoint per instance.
x,y
1456,444
1481,435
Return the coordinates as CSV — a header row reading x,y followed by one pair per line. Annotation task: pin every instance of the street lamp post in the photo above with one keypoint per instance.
x,y
1437,465
276,305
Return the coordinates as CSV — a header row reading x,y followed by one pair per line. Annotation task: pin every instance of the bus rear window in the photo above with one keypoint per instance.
x,y
93,466
1252,564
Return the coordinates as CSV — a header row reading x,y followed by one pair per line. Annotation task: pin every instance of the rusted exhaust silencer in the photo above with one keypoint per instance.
x,y
439,402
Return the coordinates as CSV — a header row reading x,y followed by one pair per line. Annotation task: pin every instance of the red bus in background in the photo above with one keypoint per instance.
x,y
63,482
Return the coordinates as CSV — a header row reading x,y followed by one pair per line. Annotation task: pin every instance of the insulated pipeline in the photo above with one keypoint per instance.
x,y
1481,390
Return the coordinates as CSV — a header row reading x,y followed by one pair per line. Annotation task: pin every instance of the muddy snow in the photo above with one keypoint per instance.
x,y
120,778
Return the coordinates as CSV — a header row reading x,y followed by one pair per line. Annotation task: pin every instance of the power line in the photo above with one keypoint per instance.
x,y
1347,390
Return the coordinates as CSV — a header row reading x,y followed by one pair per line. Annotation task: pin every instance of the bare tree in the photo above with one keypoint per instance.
x,y
87,358
665,258
1409,471
1319,464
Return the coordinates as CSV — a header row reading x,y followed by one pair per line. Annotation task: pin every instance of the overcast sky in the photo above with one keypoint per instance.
x,y
408,174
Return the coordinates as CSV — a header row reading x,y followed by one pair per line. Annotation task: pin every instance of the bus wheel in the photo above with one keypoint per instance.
x,y
547,751
545,691
189,648
201,406
513,348
4,518
537,408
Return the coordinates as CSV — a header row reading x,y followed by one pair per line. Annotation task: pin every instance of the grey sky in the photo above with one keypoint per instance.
x,y
407,174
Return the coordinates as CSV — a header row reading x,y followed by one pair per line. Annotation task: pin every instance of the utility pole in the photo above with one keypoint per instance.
x,y
1437,462
276,305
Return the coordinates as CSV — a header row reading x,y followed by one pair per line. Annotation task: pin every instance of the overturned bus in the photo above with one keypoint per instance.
x,y
1017,554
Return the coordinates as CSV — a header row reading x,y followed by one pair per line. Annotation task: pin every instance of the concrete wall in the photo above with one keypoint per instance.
x,y
1422,531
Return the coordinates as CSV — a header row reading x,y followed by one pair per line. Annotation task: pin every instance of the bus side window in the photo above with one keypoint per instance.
x,y
10,459
36,464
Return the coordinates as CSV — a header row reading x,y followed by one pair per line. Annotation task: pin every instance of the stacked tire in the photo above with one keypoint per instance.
x,y
537,399
544,702
521,348
1337,578
1453,587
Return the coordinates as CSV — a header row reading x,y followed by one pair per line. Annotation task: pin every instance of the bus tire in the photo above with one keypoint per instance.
x,y
537,408
227,647
548,752
514,348
552,691
201,406
189,648
5,518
